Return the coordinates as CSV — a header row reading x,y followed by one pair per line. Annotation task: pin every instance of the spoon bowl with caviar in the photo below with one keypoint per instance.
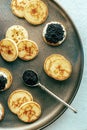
x,y
31,79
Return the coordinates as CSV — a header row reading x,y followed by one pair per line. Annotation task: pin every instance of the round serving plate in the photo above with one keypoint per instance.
x,y
71,49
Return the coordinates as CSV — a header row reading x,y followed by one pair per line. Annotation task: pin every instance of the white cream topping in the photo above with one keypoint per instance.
x,y
2,73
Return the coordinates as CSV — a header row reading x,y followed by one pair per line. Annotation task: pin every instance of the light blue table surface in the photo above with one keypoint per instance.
x,y
77,10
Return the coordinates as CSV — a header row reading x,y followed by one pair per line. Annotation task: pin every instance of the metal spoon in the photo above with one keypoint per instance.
x,y
31,79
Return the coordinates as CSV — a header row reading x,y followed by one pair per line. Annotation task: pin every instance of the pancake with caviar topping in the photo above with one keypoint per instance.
x,y
54,33
5,79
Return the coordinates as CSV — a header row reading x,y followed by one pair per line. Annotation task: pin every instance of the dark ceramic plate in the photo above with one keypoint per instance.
x,y
71,49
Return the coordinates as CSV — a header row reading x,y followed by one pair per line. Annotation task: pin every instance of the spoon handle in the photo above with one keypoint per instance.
x,y
58,98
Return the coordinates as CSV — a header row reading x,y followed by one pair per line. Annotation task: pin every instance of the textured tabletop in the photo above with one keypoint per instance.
x,y
68,121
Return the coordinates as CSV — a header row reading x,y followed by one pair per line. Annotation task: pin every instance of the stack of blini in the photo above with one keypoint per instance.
x,y
16,44
34,11
21,103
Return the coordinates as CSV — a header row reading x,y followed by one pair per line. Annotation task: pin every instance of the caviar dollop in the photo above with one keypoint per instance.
x,y
54,33
30,77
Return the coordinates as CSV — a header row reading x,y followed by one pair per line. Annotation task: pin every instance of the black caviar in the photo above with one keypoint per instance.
x,y
30,77
54,33
3,82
